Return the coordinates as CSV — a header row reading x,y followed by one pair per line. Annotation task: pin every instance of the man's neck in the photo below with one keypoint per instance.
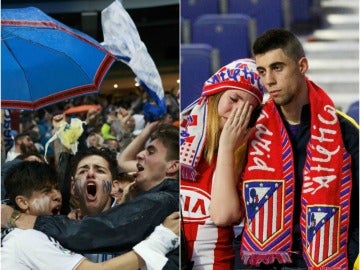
x,y
17,149
292,110
95,212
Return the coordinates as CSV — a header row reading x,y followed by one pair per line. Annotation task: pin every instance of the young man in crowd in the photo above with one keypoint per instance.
x,y
122,226
33,189
22,144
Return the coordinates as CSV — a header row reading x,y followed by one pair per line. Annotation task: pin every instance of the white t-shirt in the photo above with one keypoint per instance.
x,y
31,249
11,154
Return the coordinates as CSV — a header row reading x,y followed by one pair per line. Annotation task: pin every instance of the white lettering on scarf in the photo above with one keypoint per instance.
x,y
261,147
7,137
322,155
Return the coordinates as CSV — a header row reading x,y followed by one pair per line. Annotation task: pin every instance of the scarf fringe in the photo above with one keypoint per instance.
x,y
326,268
188,173
256,258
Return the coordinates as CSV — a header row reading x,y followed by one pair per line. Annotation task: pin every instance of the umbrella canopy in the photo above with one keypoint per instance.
x,y
44,61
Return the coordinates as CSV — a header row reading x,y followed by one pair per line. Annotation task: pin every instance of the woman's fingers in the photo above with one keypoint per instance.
x,y
240,115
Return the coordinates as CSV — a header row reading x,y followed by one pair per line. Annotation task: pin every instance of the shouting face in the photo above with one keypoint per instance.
x,y
92,185
45,202
153,165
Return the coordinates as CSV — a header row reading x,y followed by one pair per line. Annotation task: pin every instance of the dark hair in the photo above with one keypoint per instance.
x,y
29,154
105,153
279,39
22,135
106,141
28,176
168,135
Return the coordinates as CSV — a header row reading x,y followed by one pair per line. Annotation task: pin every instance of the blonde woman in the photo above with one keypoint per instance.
x,y
213,128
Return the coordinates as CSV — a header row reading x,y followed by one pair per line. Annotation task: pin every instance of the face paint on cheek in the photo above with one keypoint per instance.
x,y
41,205
107,187
79,188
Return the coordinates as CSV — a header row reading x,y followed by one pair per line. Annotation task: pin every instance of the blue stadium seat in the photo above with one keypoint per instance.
x,y
192,9
353,111
267,13
231,34
301,10
197,63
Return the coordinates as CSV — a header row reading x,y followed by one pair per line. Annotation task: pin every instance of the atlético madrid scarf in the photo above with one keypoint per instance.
x,y
268,190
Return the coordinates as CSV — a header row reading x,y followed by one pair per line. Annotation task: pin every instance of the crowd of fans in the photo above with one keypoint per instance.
x,y
114,125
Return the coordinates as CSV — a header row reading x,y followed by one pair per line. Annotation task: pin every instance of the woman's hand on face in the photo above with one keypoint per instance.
x,y
235,131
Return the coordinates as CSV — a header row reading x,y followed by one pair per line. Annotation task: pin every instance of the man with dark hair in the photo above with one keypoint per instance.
x,y
303,166
22,144
28,156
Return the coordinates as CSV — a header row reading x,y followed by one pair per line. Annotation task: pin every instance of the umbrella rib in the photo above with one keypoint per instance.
x,y
18,62
57,52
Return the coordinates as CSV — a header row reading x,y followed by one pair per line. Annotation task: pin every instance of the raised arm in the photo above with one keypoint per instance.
x,y
127,159
225,204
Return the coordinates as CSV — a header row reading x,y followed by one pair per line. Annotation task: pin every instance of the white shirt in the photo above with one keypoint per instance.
x,y
31,249
11,154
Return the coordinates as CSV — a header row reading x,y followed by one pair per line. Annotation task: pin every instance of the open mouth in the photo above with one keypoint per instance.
x,y
91,190
139,167
56,210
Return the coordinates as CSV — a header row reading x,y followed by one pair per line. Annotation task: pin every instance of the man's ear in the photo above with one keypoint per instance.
x,y
174,167
72,187
22,202
115,187
303,65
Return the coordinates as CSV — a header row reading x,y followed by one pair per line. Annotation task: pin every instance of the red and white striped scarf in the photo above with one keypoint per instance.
x,y
268,190
240,74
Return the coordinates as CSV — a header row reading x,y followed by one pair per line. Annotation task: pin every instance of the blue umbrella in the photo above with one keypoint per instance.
x,y
44,61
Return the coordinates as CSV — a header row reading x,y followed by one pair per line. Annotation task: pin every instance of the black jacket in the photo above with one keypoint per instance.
x,y
121,227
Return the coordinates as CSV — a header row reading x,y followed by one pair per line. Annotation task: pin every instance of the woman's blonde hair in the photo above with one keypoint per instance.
x,y
213,134
212,127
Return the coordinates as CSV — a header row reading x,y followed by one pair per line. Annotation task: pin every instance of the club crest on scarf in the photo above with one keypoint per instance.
x,y
264,203
322,231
